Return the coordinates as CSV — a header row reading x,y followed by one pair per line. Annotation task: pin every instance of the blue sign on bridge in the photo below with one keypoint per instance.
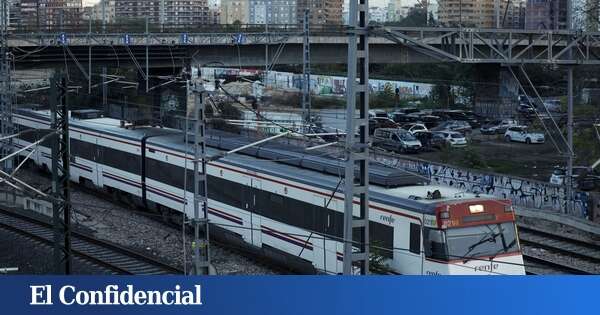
x,y
185,39
126,39
239,38
62,38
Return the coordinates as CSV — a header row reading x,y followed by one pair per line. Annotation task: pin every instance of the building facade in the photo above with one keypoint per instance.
x,y
48,14
234,10
591,16
105,9
272,12
377,15
394,13
321,11
546,14
166,12
477,13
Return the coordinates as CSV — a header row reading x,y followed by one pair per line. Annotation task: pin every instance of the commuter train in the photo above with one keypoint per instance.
x,y
283,209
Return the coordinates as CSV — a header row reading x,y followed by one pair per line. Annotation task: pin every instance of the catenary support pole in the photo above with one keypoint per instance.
x,y
105,92
61,195
266,78
571,154
201,248
6,122
104,16
306,68
356,251
147,57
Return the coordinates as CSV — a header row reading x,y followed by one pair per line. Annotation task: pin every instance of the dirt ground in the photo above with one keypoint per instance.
x,y
491,152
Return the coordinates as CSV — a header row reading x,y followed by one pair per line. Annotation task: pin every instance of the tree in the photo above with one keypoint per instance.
x,y
415,17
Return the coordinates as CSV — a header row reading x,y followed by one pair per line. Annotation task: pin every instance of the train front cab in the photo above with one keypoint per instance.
x,y
472,238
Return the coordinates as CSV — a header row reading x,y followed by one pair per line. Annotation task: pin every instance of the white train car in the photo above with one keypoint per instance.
x,y
284,211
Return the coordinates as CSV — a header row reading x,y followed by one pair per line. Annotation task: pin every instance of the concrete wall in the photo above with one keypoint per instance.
x,y
523,192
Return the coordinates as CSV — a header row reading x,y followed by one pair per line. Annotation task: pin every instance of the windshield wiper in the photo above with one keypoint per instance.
x,y
489,237
504,249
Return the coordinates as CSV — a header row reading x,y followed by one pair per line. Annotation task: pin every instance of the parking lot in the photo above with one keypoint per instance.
x,y
493,153
482,151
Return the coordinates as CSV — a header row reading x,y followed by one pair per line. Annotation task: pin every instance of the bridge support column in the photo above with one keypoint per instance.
x,y
496,91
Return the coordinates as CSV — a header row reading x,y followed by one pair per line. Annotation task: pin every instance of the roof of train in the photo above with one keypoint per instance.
x,y
411,197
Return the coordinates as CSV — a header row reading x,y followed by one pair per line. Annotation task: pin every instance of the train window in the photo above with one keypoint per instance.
x,y
298,213
276,199
30,136
170,174
82,149
415,238
225,191
382,237
34,135
125,161
435,244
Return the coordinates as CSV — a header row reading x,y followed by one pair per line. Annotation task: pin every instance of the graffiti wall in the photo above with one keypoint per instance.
x,y
523,192
322,84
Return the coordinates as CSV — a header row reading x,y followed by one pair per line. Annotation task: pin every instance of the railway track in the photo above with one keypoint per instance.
x,y
549,253
252,256
104,254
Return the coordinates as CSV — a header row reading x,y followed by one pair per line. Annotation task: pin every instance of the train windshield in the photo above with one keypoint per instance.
x,y
470,242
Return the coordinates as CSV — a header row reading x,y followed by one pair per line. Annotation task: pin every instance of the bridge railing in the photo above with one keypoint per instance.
x,y
132,27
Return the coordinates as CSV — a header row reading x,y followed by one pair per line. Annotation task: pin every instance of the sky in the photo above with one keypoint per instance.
x,y
376,3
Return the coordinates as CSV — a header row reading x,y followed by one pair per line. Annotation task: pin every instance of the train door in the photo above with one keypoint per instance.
x,y
407,235
325,246
246,206
255,220
99,161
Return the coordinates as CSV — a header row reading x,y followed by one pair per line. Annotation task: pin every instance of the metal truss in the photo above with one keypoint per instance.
x,y
356,223
201,246
6,122
473,45
306,68
61,195
465,45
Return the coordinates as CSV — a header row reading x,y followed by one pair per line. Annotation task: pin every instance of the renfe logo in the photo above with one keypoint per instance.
x,y
113,295
486,268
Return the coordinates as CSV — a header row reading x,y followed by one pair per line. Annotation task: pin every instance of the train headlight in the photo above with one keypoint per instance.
x,y
476,208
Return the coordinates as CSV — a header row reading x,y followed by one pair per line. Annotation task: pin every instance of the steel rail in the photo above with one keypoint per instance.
x,y
106,254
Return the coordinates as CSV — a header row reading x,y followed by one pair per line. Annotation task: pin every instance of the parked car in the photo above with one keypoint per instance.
x,y
404,118
482,119
380,122
522,134
407,110
463,116
378,113
414,127
454,125
430,121
498,126
583,177
397,140
526,109
460,115
430,140
553,105
452,138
